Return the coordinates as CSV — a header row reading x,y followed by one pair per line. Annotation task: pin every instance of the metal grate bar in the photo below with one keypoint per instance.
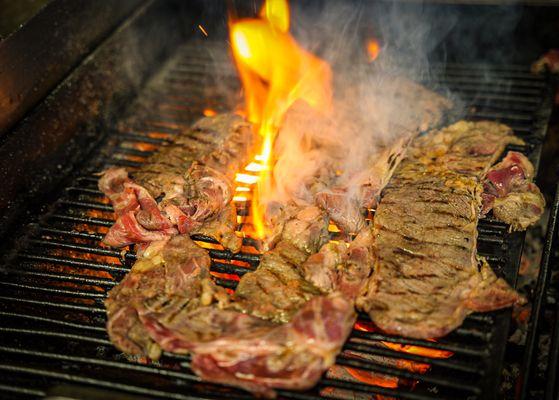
x,y
53,304
37,319
92,381
77,247
402,373
54,290
455,348
73,262
75,278
386,352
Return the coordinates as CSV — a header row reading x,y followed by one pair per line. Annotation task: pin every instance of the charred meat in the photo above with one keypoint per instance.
x,y
347,199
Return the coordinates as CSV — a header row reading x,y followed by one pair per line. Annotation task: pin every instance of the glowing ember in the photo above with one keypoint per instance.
x,y
275,72
373,49
203,30
371,378
208,112
404,348
421,351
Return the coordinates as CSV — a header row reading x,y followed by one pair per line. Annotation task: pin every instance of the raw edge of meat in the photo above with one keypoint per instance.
x,y
510,193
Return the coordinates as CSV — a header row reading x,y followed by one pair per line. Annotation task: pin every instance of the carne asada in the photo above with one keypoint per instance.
x,y
346,207
182,186
427,275
168,302
341,267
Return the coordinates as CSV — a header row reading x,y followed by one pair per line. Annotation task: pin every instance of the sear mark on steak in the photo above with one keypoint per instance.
x,y
192,181
427,276
171,272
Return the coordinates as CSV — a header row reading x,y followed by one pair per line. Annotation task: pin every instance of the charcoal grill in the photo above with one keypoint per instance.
x,y
56,273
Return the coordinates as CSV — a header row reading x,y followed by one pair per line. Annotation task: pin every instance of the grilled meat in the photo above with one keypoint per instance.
x,y
508,191
276,290
341,267
222,228
427,276
290,356
343,208
346,207
171,272
168,302
192,180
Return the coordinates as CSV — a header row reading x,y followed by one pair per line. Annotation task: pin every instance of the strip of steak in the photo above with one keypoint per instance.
x,y
289,356
182,186
427,275
510,193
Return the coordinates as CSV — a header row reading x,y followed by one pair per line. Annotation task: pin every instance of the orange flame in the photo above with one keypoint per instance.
x,y
373,49
209,112
275,72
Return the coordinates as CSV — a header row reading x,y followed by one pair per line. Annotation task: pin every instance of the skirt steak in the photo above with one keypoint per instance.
x,y
427,276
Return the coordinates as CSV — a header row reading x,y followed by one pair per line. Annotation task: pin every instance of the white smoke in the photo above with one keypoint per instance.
x,y
374,105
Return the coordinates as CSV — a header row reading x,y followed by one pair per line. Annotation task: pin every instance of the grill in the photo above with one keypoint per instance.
x,y
56,273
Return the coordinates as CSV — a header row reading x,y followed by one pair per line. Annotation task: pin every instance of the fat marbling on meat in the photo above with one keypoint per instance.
x,y
169,302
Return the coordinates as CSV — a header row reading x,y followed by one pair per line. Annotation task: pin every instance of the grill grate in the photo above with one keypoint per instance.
x,y
55,280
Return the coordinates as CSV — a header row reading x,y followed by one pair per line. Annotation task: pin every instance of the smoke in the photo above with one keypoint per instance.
x,y
376,106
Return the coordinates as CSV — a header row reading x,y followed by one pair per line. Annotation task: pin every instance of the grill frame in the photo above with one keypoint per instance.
x,y
67,211
546,301
22,260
